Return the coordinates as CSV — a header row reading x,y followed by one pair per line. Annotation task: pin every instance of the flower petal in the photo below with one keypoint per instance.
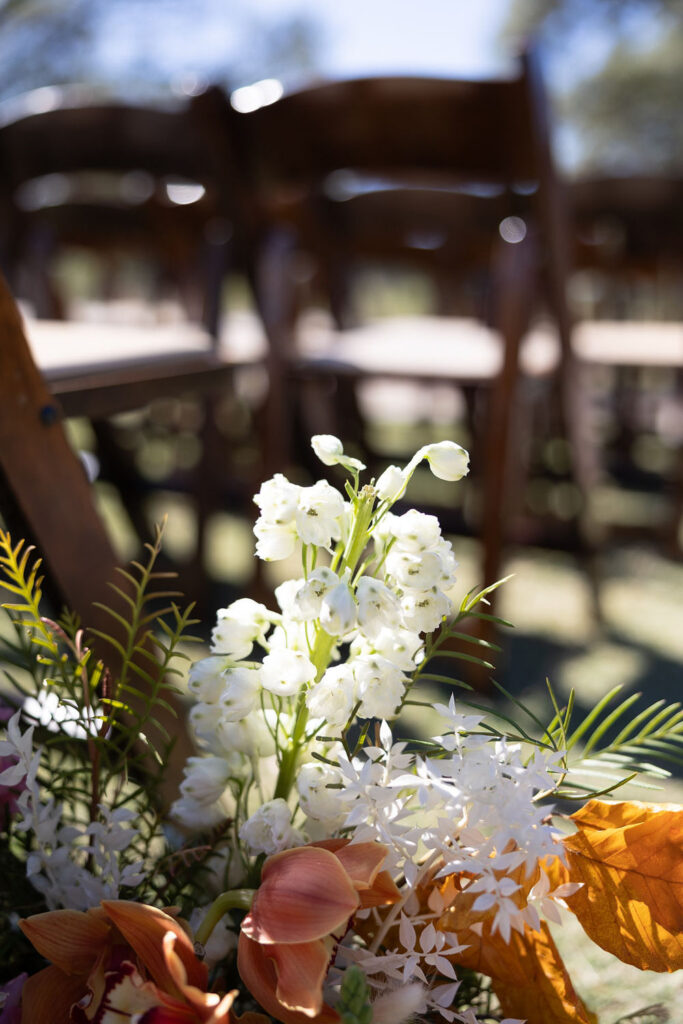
x,y
384,891
49,995
259,974
70,939
305,894
301,970
144,928
361,862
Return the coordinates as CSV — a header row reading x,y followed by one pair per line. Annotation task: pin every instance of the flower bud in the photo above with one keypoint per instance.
x,y
447,460
330,451
391,483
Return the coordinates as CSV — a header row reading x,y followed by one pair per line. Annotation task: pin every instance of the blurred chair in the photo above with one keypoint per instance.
x,y
629,262
46,500
115,180
488,143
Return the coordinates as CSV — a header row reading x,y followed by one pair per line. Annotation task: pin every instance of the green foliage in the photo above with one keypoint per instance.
x,y
105,740
616,755
354,998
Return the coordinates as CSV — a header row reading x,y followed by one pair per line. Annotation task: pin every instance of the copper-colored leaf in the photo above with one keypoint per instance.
x,y
527,972
629,857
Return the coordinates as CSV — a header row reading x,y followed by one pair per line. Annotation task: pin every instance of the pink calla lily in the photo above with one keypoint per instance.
x,y
301,910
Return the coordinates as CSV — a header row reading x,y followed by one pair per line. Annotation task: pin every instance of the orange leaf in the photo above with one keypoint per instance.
x,y
629,857
527,972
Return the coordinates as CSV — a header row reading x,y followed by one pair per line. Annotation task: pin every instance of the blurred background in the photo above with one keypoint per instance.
x,y
593,605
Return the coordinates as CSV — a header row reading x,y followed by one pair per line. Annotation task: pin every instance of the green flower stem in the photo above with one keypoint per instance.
x,y
234,899
322,652
324,643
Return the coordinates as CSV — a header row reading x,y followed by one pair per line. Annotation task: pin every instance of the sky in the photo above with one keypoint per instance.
x,y
441,37
436,37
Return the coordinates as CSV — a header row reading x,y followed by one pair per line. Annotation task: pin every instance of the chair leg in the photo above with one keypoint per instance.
x,y
275,295
514,272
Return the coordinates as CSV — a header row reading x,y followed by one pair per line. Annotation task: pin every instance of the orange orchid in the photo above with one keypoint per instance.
x,y
301,910
119,960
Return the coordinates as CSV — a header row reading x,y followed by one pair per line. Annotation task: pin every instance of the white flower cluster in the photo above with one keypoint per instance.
x,y
472,814
283,720
245,708
56,866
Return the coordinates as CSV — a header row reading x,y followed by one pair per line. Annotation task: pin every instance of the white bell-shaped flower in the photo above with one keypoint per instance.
x,y
269,830
206,678
338,609
416,531
241,693
424,610
284,672
239,626
319,513
419,570
206,778
377,605
332,699
275,542
309,597
318,800
380,686
278,499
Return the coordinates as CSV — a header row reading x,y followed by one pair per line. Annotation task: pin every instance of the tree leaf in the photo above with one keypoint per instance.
x,y
527,973
629,857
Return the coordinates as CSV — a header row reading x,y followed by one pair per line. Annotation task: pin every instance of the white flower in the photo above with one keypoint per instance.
x,y
196,815
338,609
423,610
290,633
274,542
401,646
250,736
309,597
377,605
284,672
419,570
317,799
206,779
206,681
416,531
330,451
285,595
319,513
447,460
391,484
240,694
239,626
269,830
333,698
380,686
277,500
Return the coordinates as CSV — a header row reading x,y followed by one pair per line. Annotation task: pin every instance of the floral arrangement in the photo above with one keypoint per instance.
x,y
320,863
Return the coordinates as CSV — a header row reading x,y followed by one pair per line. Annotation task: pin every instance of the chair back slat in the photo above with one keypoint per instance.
x,y
384,126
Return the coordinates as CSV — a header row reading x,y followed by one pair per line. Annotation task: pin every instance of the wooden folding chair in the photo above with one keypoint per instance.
x,y
483,138
46,498
102,176
629,252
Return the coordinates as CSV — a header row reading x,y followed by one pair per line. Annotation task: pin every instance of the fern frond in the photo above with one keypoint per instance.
x,y
652,735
